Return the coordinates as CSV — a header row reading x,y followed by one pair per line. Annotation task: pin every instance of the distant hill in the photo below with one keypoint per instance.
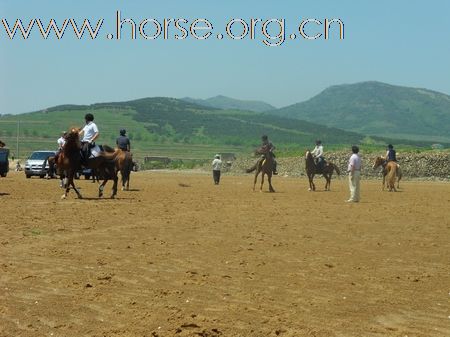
x,y
381,109
170,127
227,103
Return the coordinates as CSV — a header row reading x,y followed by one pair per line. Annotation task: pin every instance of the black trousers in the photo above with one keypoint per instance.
x,y
216,176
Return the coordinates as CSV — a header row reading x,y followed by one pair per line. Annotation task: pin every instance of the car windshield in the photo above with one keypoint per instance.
x,y
41,155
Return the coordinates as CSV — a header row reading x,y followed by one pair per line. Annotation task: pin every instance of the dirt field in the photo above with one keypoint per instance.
x,y
178,256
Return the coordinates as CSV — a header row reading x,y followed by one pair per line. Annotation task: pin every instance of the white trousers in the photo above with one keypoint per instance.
x,y
353,183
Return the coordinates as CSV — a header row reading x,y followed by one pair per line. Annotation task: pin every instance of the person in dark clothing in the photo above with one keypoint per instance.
x,y
268,148
391,154
123,142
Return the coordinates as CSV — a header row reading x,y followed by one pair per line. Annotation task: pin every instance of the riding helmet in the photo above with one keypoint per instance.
x,y
123,132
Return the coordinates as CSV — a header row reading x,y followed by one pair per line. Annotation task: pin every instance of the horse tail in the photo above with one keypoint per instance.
x,y
337,169
391,175
127,168
251,169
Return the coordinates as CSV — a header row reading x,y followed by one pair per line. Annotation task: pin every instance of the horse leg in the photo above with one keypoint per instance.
x,y
269,178
256,179
101,188
328,183
75,189
384,181
262,181
114,189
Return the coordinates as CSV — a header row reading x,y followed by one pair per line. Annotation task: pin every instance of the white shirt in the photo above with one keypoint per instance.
x,y
89,130
354,163
217,164
61,142
318,151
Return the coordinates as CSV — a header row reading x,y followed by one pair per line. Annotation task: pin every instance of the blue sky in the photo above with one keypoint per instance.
x,y
399,42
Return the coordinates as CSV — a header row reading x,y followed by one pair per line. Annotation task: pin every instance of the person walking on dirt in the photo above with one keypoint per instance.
x,y
217,166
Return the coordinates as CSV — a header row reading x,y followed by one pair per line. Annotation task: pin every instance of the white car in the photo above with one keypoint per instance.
x,y
34,165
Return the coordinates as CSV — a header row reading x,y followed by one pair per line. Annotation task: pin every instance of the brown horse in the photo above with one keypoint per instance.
x,y
124,164
380,161
311,170
264,165
69,161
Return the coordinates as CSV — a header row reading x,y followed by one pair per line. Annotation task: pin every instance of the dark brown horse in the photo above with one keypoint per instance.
x,y
380,161
69,161
311,171
264,165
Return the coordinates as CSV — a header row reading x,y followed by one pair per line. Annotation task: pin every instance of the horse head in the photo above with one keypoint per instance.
x,y
72,141
378,162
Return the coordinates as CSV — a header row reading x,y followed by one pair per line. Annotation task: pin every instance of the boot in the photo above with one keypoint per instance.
x,y
275,172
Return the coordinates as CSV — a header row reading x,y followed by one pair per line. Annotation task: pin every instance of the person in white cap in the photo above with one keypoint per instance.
x,y
217,166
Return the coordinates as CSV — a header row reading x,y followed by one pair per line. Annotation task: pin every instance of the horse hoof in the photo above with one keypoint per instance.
x,y
113,196
309,189
63,197
80,196
123,188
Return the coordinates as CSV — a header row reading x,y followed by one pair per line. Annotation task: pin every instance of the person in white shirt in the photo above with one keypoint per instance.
x,y
318,155
90,134
51,163
354,175
217,166
61,140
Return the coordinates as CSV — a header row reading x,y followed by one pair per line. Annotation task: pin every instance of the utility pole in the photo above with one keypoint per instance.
x,y
17,139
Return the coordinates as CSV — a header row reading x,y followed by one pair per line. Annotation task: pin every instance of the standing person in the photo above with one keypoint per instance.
x,y
90,134
123,142
354,175
217,166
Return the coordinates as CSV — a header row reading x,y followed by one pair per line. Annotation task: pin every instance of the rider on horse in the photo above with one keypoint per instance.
x,y
318,156
391,154
90,134
267,148
123,142
51,164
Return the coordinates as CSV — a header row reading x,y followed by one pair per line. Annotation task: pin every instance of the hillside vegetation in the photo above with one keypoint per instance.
x,y
380,109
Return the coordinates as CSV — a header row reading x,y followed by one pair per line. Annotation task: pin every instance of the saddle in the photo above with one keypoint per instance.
x,y
320,165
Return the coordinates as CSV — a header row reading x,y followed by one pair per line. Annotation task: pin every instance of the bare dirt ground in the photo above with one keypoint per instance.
x,y
178,256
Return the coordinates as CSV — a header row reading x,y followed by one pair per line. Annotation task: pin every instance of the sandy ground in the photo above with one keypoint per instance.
x,y
178,256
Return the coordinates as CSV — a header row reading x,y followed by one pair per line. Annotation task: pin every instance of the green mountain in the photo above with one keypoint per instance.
x,y
168,127
380,109
227,103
